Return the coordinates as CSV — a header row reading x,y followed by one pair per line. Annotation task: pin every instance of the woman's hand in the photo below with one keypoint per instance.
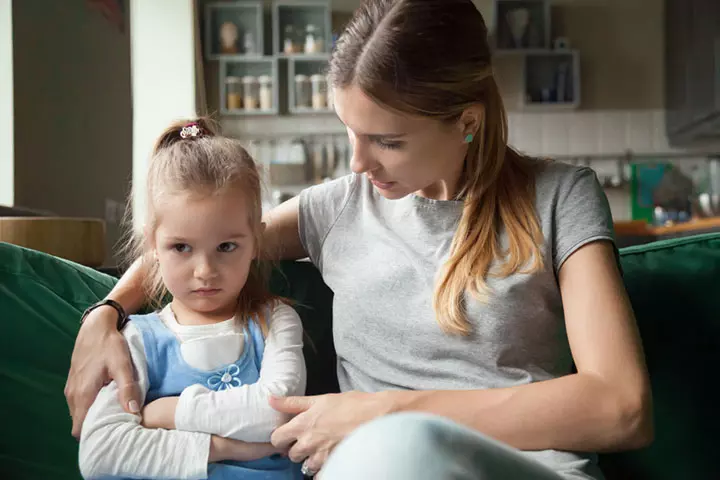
x,y
100,355
321,422
160,413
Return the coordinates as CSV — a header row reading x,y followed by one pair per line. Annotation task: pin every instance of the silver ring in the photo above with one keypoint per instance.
x,y
305,470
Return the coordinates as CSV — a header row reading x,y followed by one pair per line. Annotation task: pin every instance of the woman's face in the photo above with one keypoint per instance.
x,y
403,154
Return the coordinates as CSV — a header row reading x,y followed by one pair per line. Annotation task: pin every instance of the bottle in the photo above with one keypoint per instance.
x,y
289,46
330,95
313,42
319,92
233,93
266,92
302,91
249,44
250,93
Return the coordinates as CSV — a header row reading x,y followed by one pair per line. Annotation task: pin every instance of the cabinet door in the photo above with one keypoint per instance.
x,y
704,57
678,37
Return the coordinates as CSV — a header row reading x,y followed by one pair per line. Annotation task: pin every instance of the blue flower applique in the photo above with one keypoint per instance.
x,y
225,379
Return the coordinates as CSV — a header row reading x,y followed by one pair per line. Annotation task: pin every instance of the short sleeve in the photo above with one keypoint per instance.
x,y
581,215
320,207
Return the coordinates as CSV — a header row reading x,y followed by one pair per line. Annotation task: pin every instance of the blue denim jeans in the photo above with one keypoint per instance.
x,y
415,446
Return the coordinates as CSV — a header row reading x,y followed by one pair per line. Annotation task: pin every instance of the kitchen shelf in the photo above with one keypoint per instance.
x,y
297,65
537,20
297,15
550,70
551,80
281,67
240,66
247,18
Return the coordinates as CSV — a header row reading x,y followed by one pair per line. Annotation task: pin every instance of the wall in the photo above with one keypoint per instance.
x,y
621,61
622,84
621,52
7,187
72,110
163,78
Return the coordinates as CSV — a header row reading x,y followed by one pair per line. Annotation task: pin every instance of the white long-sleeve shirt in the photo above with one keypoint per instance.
x,y
113,442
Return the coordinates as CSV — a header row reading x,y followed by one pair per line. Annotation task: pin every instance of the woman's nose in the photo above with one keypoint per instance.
x,y
361,161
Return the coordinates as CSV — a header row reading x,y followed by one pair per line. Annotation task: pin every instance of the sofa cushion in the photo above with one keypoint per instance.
x,y
674,287
41,299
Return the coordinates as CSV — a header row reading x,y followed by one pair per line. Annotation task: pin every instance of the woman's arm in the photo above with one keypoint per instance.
x,y
282,234
244,413
114,443
100,352
605,406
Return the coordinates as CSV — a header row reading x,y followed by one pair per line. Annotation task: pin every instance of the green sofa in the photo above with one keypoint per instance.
x,y
674,287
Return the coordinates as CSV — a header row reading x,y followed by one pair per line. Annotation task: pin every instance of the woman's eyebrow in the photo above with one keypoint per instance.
x,y
384,136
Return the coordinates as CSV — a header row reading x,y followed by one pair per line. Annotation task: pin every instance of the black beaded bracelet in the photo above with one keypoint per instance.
x,y
122,316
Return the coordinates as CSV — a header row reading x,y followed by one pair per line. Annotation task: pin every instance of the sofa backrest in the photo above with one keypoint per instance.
x,y
674,287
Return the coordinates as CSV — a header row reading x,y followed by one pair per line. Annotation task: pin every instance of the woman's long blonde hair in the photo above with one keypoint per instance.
x,y
205,164
432,58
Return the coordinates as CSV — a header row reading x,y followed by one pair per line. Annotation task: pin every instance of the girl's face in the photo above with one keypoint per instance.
x,y
205,246
403,154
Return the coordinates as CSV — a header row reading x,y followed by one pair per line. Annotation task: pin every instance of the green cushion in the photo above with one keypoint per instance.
x,y
672,286
302,284
41,299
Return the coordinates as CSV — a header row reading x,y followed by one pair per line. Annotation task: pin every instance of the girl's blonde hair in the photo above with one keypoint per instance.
x,y
203,164
432,58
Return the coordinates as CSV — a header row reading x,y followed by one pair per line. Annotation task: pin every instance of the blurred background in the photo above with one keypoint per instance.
x,y
630,88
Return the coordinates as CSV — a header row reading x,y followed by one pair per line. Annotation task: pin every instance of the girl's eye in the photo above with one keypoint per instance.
x,y
389,145
181,247
227,247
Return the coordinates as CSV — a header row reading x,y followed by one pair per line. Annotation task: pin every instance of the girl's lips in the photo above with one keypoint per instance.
x,y
206,292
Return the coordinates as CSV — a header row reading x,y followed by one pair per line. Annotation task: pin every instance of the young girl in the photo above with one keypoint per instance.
x,y
222,331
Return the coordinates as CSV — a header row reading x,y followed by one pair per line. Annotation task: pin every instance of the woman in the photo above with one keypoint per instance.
x,y
468,279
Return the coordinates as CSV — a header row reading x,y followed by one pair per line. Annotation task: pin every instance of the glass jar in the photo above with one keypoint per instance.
x,y
319,92
303,92
266,92
330,95
291,42
251,93
233,92
313,40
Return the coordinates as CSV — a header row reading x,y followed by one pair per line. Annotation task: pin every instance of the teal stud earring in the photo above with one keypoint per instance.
x,y
469,138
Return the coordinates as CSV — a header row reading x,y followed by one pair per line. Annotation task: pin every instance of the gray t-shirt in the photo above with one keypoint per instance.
x,y
381,257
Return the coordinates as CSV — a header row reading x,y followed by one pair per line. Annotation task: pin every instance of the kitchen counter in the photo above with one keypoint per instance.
x,y
637,232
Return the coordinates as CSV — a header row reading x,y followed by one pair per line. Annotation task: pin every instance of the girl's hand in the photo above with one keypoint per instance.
x,y
222,449
100,355
322,421
160,413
